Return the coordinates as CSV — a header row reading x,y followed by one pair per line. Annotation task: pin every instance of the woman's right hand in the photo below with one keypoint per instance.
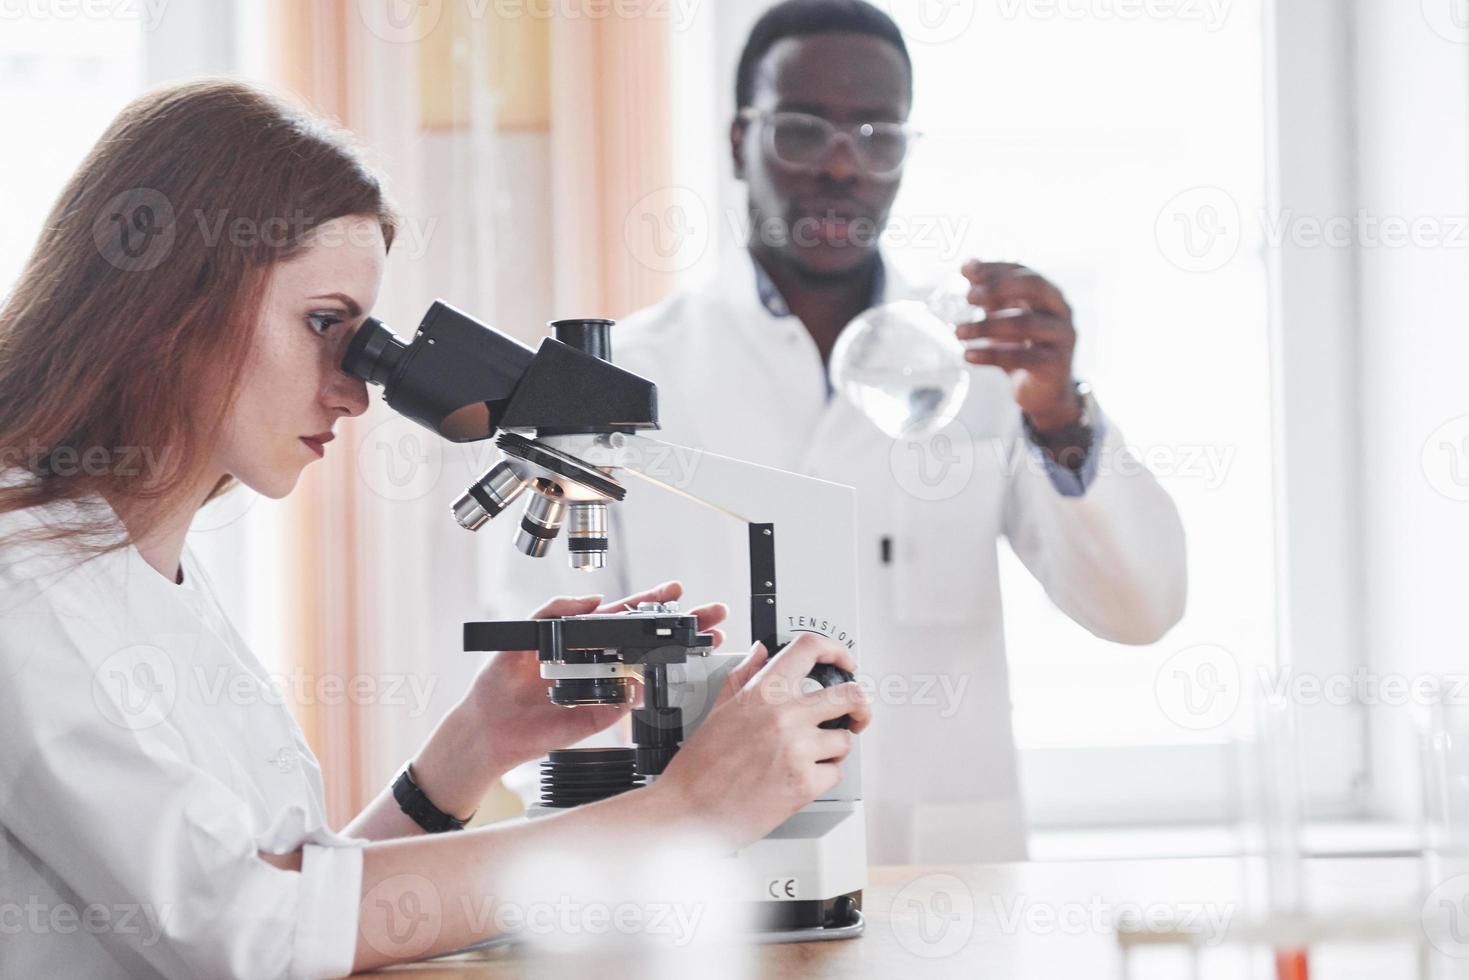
x,y
757,758
760,755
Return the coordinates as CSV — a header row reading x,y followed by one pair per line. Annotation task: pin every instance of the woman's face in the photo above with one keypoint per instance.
x,y
293,389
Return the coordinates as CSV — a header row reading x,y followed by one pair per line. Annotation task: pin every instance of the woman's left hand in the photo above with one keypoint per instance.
x,y
517,720
506,718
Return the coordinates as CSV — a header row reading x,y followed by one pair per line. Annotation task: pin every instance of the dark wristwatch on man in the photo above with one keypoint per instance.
x,y
1071,444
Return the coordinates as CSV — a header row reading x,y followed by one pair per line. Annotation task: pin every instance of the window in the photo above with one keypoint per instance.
x,y
1124,152
1106,152
66,79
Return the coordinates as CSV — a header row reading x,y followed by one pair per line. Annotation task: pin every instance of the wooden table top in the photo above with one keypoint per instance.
x,y
1016,921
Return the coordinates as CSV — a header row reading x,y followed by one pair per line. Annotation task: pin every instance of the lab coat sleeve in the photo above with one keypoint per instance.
x,y
110,802
1112,558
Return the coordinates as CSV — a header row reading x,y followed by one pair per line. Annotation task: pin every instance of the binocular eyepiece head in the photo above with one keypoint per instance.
x,y
374,353
466,382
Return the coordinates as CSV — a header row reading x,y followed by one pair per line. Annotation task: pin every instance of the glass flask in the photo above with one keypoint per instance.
x,y
902,366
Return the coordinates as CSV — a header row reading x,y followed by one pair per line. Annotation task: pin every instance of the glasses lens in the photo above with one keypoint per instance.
x,y
882,147
800,139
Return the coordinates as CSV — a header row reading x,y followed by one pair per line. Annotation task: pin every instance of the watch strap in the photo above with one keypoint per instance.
x,y
413,801
1077,434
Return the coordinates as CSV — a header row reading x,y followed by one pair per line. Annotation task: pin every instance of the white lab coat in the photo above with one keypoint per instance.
x,y
939,766
144,761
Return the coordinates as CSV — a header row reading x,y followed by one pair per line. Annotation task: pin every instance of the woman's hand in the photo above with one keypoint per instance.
x,y
760,755
518,722
506,719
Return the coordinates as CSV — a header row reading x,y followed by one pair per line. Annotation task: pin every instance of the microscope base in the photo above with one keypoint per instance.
x,y
809,922
817,856
803,881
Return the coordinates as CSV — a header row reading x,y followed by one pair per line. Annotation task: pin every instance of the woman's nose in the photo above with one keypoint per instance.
x,y
346,394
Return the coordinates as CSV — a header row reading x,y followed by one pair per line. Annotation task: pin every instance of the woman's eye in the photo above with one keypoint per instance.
x,y
320,323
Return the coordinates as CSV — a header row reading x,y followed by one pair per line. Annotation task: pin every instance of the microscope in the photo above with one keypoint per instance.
x,y
570,430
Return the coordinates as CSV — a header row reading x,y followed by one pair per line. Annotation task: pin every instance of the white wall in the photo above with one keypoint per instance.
x,y
189,39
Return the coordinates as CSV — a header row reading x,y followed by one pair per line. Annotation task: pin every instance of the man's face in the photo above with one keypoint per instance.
x,y
823,219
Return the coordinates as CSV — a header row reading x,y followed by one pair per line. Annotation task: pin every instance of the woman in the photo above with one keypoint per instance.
x,y
178,328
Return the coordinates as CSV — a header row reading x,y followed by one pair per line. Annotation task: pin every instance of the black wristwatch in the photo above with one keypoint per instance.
x,y
414,802
1078,433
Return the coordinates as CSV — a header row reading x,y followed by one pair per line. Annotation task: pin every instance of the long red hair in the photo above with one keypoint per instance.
x,y
121,342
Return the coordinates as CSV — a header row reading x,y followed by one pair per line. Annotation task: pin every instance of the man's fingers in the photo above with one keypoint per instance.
x,y
667,592
1016,326
979,273
999,285
1025,289
1012,358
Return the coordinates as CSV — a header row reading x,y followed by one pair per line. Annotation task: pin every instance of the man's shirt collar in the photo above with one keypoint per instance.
x,y
775,303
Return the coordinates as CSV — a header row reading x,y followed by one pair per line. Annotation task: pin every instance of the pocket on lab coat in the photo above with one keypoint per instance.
x,y
946,512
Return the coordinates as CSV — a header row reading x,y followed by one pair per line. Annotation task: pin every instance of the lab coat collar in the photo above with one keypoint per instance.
x,y
812,423
740,280
775,304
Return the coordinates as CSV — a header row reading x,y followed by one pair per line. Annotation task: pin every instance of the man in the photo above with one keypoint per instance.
x,y
823,92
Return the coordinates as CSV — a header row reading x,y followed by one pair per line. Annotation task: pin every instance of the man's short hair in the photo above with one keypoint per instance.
x,y
799,18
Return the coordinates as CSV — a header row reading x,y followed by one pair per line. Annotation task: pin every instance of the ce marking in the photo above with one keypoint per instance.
x,y
782,888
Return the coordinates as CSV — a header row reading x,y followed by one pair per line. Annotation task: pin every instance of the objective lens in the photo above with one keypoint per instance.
x,y
541,522
488,496
586,535
374,353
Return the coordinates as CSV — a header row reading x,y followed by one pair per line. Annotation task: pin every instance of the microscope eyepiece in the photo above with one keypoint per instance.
x,y
591,336
374,353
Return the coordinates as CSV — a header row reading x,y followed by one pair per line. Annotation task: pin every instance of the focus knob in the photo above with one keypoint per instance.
x,y
828,675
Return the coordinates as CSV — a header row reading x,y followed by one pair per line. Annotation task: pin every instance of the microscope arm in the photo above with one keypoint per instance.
x,y
803,560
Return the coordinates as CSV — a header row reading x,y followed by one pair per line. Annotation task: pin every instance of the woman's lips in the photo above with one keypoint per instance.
x,y
318,442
